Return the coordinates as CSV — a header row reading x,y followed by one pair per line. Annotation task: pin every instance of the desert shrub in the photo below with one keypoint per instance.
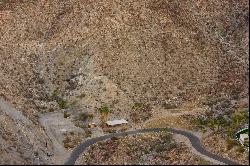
x,y
62,103
67,143
68,146
240,117
114,138
198,121
66,140
160,148
231,143
146,151
82,95
236,122
66,115
90,116
83,116
81,125
137,106
125,128
164,147
172,145
169,106
111,131
141,112
135,118
104,110
203,162
216,123
51,110
166,137
88,133
55,93
240,149
213,123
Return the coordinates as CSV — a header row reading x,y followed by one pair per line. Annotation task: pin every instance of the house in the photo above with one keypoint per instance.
x,y
116,122
244,139
243,136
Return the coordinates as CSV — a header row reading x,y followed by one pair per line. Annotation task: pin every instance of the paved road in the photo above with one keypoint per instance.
x,y
20,118
193,139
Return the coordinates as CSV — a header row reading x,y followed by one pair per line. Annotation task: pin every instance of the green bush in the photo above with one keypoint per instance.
x,y
62,103
211,123
235,123
55,93
230,131
146,151
216,123
199,122
104,110
137,106
90,116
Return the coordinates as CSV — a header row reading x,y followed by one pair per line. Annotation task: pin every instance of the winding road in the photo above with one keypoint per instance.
x,y
193,139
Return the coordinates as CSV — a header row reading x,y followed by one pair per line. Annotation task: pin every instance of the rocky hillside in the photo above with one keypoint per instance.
x,y
92,53
154,51
148,149
19,143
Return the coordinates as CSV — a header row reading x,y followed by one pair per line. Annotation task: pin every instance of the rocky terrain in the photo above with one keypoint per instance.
x,y
76,56
19,141
233,152
148,149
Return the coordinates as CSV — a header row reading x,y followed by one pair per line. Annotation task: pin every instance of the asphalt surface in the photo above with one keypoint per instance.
x,y
193,139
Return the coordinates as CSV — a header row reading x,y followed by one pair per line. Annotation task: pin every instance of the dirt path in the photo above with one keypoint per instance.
x,y
55,125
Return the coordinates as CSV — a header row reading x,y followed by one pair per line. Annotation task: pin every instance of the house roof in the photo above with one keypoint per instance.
x,y
116,122
242,131
243,136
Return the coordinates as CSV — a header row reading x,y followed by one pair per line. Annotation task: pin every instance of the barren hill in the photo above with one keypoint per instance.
x,y
116,53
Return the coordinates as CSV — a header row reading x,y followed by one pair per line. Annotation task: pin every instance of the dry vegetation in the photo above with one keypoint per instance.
x,y
217,144
115,53
157,51
152,149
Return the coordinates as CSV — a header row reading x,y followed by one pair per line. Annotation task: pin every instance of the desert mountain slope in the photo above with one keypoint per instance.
x,y
112,52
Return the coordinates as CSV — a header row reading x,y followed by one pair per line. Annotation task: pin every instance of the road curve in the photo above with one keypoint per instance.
x,y
193,139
